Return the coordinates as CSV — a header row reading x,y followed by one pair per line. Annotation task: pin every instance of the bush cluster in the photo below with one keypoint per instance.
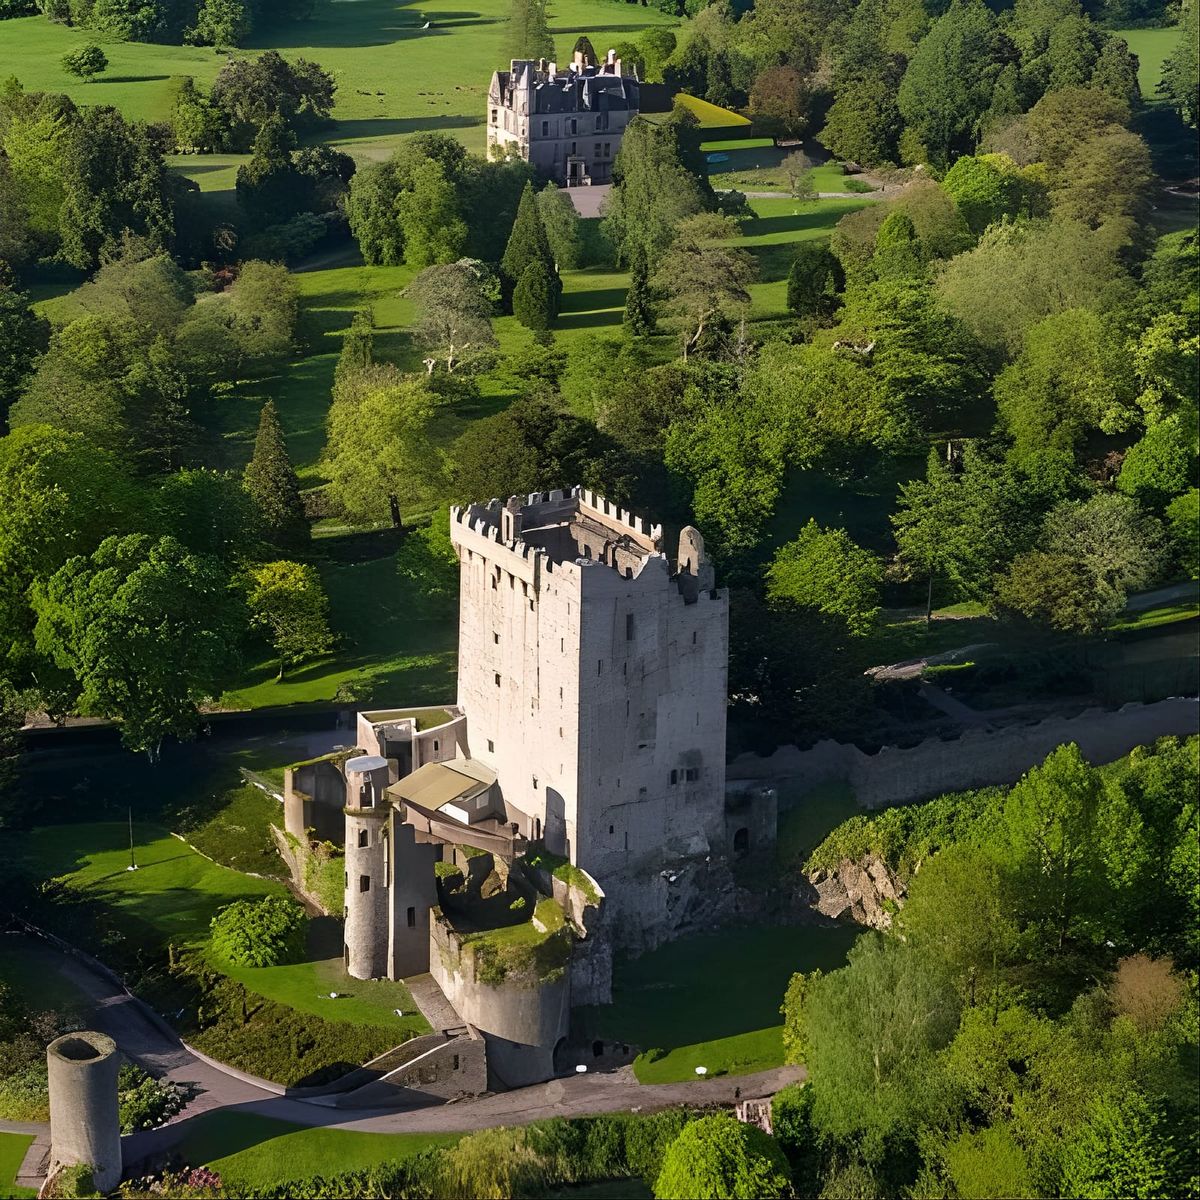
x,y
146,1102
259,933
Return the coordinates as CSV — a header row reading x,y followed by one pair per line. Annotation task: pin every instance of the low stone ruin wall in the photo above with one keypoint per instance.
x,y
978,758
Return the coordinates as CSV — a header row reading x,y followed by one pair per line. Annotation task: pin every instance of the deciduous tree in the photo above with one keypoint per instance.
x,y
825,570
455,303
288,604
718,1157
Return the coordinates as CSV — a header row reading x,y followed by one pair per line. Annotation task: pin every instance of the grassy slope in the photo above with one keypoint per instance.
x,y
713,1000
394,78
253,1151
12,1152
173,896
1151,46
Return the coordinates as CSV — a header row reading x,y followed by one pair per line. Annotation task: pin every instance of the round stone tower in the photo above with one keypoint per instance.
x,y
367,811
84,1123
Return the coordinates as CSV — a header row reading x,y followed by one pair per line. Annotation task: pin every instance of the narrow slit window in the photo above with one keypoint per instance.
x,y
364,883
412,917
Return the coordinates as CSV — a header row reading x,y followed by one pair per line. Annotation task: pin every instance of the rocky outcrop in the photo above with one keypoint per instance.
x,y
867,892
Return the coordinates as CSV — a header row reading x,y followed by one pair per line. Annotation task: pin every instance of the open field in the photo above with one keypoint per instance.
x,y
251,1151
12,1152
712,1000
394,78
173,896
1151,46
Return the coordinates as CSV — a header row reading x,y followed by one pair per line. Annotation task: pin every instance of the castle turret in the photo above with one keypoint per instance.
x,y
367,810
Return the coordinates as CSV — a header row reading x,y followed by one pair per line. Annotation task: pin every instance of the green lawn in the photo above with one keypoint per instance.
x,y
29,967
1151,46
12,1153
807,819
712,1000
394,78
171,897
251,1151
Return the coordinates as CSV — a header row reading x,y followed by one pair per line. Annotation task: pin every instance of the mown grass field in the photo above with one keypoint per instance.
x,y
171,899
12,1153
712,1000
1151,46
394,78
250,1151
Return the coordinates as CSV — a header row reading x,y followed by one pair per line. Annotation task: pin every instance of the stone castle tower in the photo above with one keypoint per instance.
x,y
592,669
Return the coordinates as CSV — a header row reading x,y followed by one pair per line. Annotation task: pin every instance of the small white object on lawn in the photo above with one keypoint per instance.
x,y
701,1070
333,995
398,1011
581,1069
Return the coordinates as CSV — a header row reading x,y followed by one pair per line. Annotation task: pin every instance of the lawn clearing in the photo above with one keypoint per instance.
x,y
394,77
808,818
712,116
171,897
713,999
252,1151
1152,46
13,1147
30,968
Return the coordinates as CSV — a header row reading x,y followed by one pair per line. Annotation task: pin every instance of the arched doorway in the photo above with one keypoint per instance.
x,y
741,841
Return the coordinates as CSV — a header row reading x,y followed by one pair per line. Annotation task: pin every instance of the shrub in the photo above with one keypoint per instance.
x,y
718,1157
145,1102
74,1183
259,933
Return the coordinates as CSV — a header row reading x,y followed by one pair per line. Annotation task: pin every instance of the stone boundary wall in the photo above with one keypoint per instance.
x,y
978,758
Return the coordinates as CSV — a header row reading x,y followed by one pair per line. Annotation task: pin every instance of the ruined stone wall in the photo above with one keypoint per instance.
x,y
979,758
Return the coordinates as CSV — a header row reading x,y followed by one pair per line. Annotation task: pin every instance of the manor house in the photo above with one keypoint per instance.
x,y
568,124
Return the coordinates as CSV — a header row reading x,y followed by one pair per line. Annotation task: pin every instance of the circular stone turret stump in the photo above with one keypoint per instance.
x,y
85,1125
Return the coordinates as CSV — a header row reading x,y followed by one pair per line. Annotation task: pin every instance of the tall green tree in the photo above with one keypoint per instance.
x,y
718,1157
148,630
561,223
825,570
926,524
273,485
430,218
529,30
454,304
815,280
288,604
948,84
639,303
528,243
23,336
534,301
1181,71
268,186
1122,1149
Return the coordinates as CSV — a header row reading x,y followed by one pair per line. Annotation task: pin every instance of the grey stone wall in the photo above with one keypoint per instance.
x,y
979,758
438,1066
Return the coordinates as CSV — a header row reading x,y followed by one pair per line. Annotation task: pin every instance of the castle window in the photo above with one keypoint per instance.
x,y
599,665
364,837
693,637
535,781
607,145
629,627
641,792
497,678
491,746
493,583
364,883
692,774
574,129
674,776
435,746
610,831
597,151
347,879
495,638
455,1067
545,129
412,918
495,114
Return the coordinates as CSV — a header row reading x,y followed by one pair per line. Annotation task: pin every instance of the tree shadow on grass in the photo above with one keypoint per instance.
x,y
792,223
367,128
589,320
592,301
132,79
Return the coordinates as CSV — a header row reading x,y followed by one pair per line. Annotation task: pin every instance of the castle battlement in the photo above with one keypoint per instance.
x,y
564,531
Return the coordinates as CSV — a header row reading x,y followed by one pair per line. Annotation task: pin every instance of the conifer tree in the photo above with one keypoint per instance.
x,y
271,481
814,281
639,311
527,243
535,304
897,248
529,30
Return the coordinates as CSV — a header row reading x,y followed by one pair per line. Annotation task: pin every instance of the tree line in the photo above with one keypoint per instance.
x,y
1026,1027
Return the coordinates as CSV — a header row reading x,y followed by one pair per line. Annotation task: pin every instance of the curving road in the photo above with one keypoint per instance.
x,y
141,1036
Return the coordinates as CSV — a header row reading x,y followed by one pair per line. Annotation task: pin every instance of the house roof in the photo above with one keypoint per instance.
x,y
437,784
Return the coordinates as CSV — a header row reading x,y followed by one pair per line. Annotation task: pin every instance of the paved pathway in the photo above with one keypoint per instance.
x,y
141,1037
